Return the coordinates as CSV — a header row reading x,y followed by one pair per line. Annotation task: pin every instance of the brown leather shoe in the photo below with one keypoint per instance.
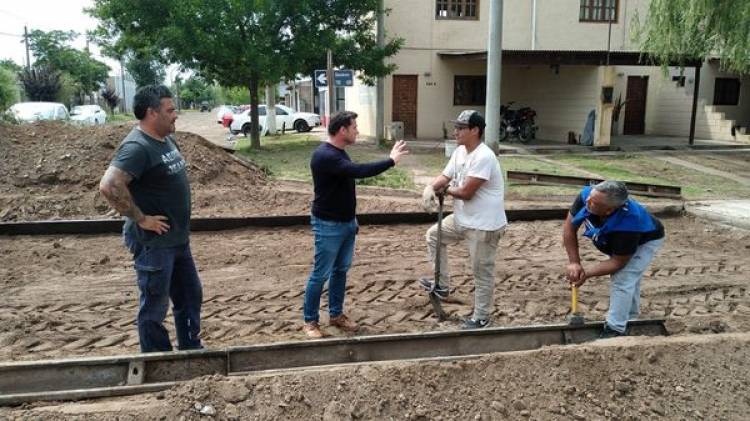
x,y
312,330
342,322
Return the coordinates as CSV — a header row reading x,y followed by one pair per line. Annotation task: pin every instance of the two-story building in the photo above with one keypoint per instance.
x,y
554,53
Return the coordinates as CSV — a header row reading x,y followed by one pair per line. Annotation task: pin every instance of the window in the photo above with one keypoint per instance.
x,y
457,9
726,91
598,10
470,90
281,111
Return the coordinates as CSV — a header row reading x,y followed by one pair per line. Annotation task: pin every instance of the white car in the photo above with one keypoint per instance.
x,y
34,111
88,115
285,117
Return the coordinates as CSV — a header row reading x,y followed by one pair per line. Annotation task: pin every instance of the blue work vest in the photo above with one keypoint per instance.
x,y
630,217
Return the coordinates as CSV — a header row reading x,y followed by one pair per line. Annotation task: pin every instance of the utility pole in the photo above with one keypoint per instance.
x,y
331,86
380,87
494,75
26,42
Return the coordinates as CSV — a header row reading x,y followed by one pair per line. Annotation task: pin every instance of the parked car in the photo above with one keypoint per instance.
x,y
204,106
88,115
34,111
285,117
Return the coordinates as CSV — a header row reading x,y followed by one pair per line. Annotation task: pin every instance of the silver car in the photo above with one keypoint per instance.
x,y
35,111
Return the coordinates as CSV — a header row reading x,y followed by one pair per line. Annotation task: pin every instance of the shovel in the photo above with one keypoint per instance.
x,y
434,299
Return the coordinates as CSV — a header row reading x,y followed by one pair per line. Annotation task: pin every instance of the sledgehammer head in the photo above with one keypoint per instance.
x,y
575,320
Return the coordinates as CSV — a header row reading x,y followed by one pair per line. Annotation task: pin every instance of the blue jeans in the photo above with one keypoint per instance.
x,y
625,286
334,249
164,274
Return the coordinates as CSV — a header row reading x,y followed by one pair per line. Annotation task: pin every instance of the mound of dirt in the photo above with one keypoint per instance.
x,y
52,170
625,378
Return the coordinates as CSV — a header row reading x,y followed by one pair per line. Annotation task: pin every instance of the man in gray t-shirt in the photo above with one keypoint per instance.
x,y
147,183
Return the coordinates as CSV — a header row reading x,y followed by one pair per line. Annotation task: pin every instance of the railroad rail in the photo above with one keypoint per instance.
x,y
84,378
643,189
114,226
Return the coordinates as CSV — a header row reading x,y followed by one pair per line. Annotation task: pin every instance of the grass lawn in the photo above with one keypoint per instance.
x,y
120,118
288,157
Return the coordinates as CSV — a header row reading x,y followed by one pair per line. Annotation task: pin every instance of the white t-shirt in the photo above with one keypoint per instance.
x,y
486,210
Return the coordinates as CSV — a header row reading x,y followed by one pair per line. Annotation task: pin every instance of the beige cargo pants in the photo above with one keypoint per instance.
x,y
482,251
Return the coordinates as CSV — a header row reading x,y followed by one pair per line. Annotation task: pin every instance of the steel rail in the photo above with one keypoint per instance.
x,y
82,378
114,226
643,189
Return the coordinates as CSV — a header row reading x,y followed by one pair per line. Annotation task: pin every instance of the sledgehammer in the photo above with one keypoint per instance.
x,y
574,319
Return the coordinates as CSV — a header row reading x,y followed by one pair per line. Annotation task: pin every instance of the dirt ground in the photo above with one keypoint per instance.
x,y
72,296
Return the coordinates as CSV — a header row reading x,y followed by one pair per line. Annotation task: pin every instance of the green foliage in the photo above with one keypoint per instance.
x,y
248,43
233,96
41,83
146,68
680,30
10,65
52,49
8,88
195,90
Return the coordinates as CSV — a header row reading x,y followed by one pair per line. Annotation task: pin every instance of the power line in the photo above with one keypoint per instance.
x,y
11,35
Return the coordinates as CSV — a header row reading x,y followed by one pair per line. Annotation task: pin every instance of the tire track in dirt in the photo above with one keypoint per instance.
x,y
254,284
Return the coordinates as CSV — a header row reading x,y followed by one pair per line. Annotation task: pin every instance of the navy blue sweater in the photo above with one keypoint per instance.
x,y
333,175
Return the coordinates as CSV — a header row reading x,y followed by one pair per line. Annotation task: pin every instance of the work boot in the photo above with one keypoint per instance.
x,y
608,332
342,322
429,285
475,324
312,330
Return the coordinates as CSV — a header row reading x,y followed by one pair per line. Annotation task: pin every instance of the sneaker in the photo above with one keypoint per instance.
x,y
475,324
608,332
428,285
312,330
342,322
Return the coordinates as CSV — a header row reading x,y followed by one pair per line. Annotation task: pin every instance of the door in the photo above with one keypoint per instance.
x,y
283,118
635,107
405,103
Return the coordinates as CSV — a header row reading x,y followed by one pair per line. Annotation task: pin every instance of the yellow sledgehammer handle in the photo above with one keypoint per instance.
x,y
574,300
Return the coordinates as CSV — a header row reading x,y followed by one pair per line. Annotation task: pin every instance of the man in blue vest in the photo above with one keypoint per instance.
x,y
624,230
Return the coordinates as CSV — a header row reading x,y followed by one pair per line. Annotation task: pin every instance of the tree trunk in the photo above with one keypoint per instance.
x,y
271,109
254,132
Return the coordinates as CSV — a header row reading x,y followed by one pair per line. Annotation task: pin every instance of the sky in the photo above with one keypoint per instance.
x,y
45,15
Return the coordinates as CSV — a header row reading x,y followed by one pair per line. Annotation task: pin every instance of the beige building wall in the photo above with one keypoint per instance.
x,y
562,100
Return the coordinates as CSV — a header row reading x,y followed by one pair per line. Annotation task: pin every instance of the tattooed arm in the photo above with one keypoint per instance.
x,y
114,187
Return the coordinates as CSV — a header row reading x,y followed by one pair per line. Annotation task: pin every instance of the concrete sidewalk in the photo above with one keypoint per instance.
x,y
726,212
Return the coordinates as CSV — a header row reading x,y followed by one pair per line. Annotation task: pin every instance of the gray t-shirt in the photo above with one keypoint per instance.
x,y
160,186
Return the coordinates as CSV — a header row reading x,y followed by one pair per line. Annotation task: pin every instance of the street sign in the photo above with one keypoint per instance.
x,y
343,77
321,79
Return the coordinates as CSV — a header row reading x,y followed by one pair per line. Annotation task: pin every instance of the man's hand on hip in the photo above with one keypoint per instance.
x,y
154,223
398,151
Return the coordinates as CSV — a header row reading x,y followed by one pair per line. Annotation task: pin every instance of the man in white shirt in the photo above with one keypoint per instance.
x,y
474,179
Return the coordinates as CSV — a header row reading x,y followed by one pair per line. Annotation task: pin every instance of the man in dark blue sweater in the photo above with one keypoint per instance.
x,y
334,223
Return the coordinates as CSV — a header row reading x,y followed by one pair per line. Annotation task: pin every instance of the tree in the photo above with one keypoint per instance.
x,y
51,49
41,83
195,90
680,30
111,97
249,43
10,65
8,88
146,68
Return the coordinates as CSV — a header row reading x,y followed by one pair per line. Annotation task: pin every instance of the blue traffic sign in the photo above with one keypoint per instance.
x,y
342,77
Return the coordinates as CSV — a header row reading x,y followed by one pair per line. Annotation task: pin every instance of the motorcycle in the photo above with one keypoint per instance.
x,y
518,123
